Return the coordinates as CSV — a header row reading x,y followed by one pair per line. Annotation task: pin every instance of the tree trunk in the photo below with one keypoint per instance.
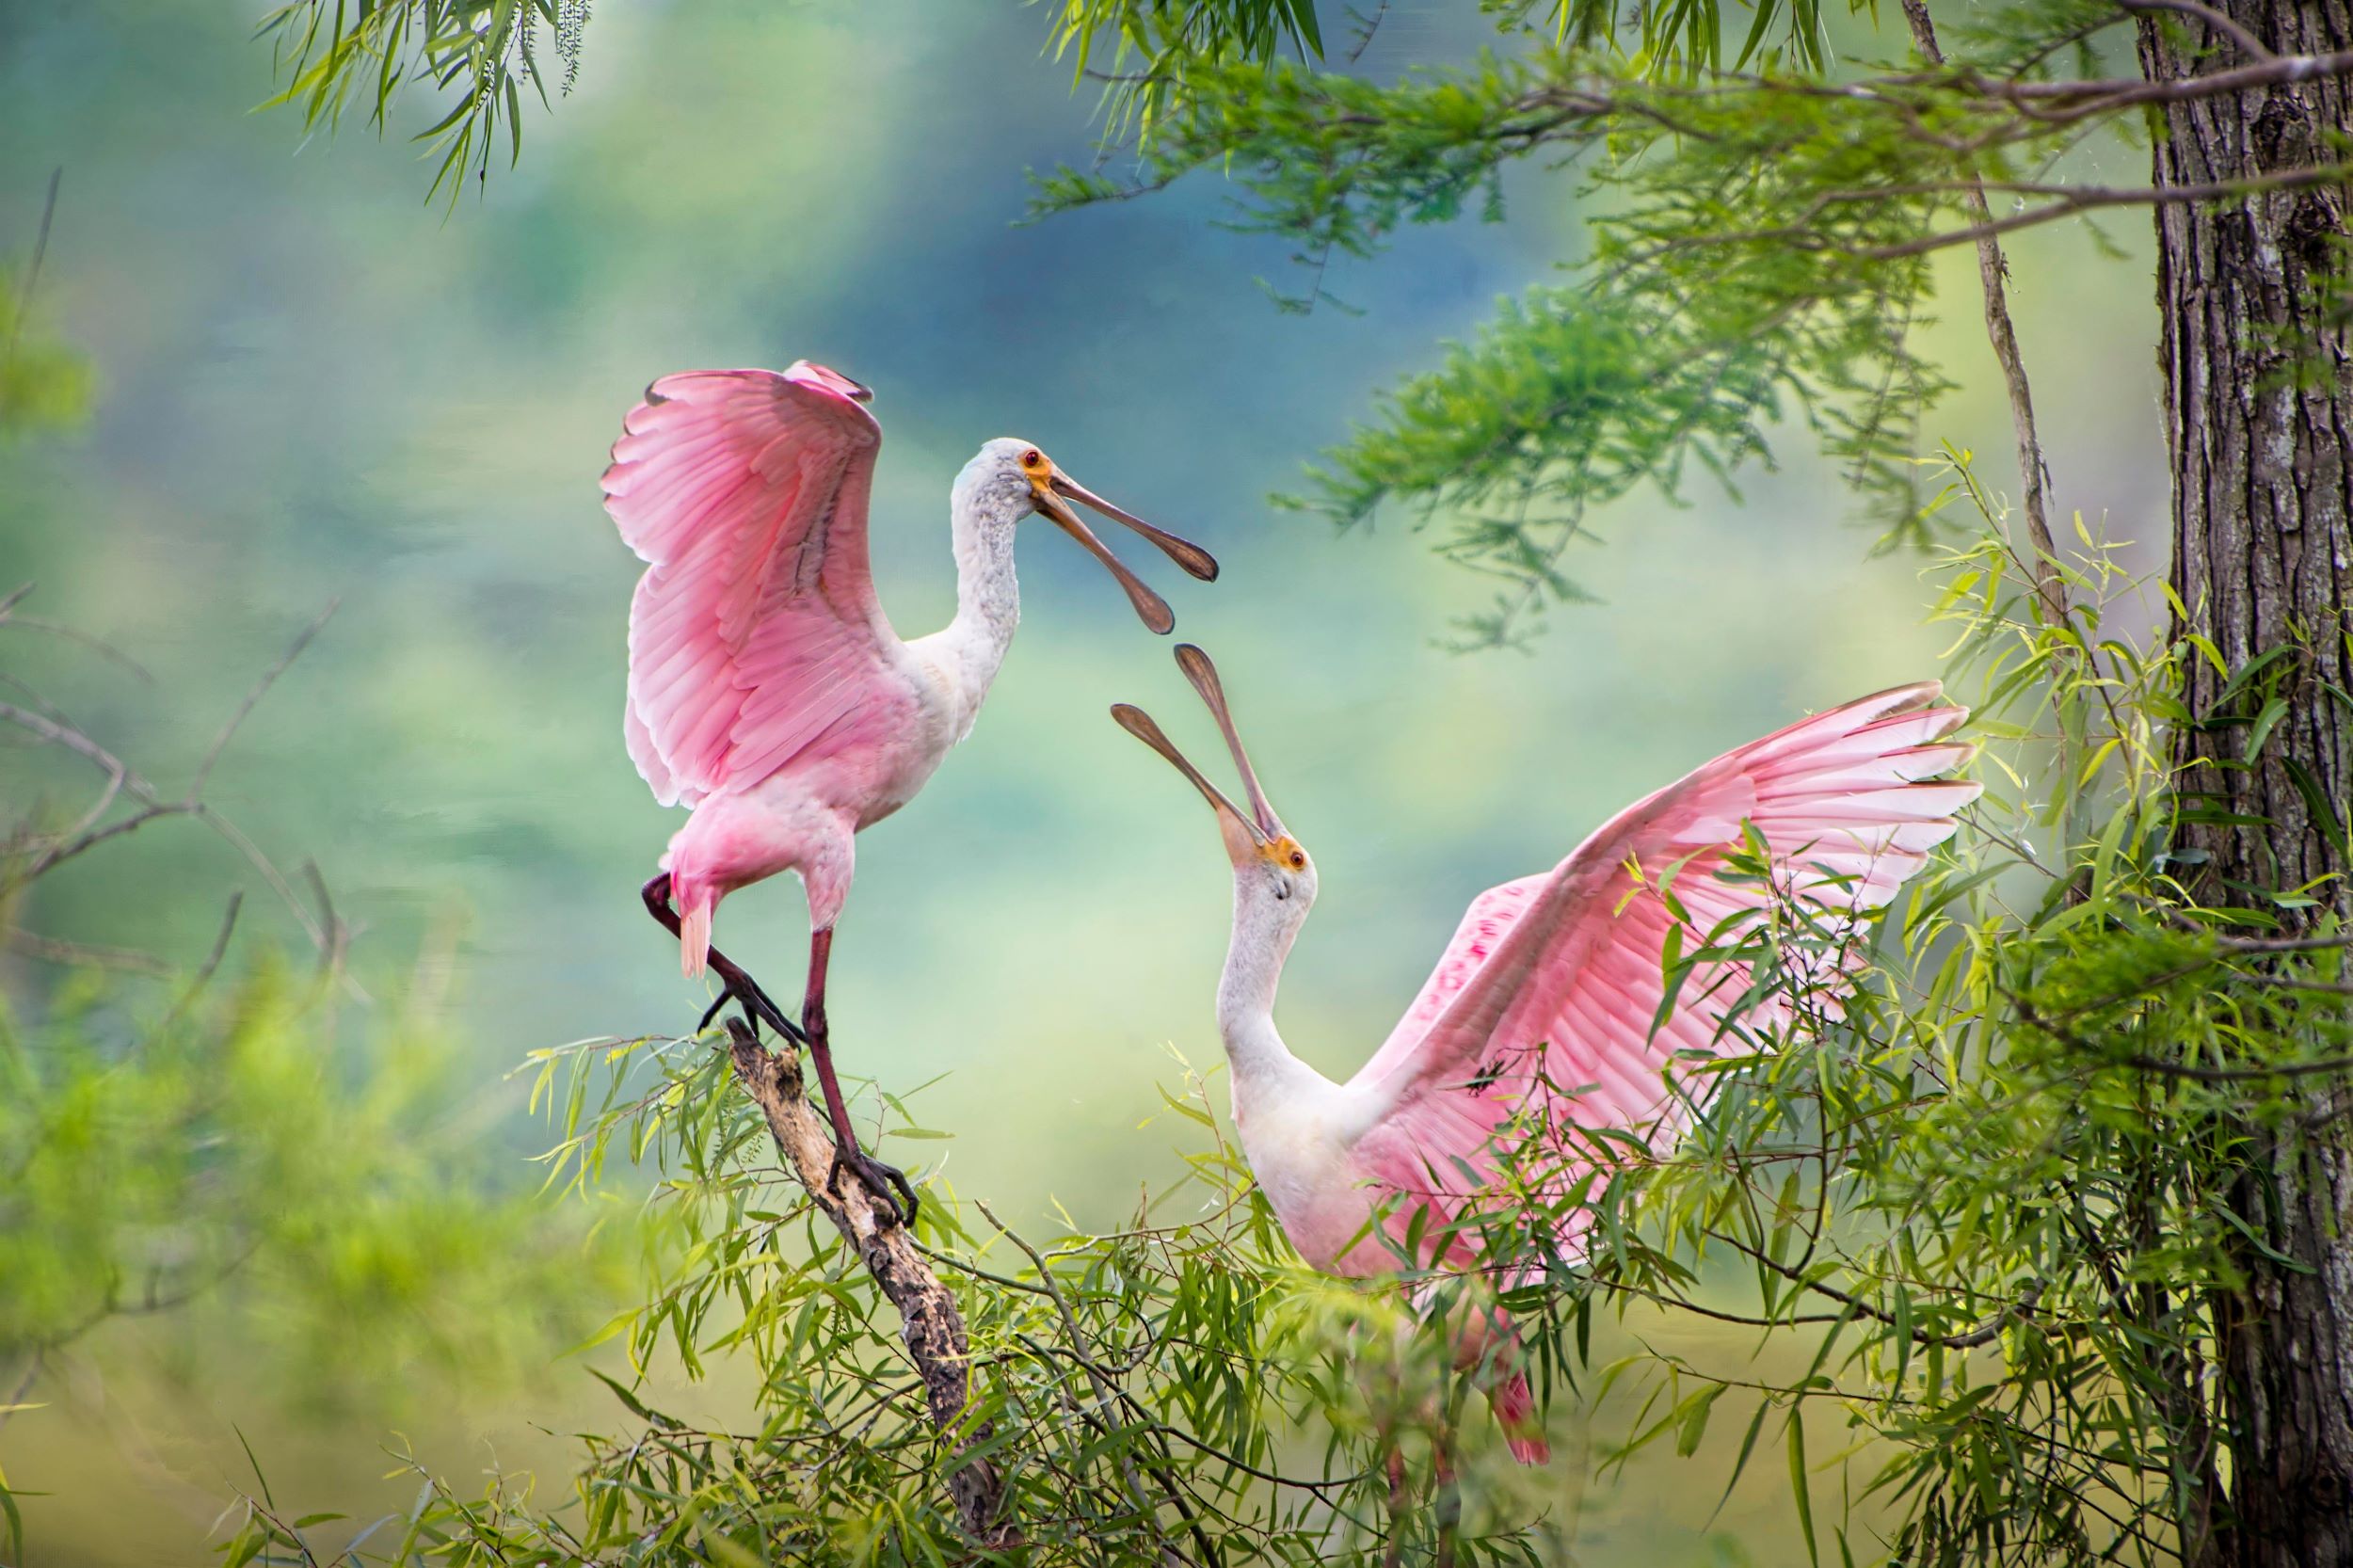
x,y
2259,419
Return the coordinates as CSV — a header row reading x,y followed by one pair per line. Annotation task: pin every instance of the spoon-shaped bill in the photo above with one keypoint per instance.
x,y
1151,606
1203,674
1190,556
1136,722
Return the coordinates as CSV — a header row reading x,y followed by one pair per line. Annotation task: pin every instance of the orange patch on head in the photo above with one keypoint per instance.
x,y
1039,467
1284,851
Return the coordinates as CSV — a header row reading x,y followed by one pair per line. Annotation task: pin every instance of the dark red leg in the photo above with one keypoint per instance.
x,y
736,985
881,1178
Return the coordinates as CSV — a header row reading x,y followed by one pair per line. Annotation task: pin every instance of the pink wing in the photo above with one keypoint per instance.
x,y
1543,1001
755,630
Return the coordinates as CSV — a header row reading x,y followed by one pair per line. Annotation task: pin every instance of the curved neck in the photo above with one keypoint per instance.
x,y
1261,941
988,600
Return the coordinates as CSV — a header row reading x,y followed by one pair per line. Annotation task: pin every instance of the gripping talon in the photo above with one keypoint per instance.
x,y
758,1010
887,1183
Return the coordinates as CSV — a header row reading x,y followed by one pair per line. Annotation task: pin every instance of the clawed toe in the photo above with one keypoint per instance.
x,y
887,1183
757,1009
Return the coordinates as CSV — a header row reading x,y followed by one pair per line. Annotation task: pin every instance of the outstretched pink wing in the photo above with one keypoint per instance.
x,y
755,631
1545,1000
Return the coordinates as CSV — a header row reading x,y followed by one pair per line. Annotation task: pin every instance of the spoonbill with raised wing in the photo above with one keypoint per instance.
x,y
1546,1001
767,691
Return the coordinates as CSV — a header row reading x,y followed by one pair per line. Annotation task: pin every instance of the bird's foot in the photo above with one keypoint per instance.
x,y
757,1009
887,1183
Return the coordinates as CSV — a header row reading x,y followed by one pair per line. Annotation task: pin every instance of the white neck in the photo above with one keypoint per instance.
x,y
988,600
1245,993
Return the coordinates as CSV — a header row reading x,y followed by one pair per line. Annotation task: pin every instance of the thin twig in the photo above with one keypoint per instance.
x,y
254,694
99,646
15,1401
1993,273
2093,197
60,952
1106,1394
1984,1335
2229,27
87,835
331,951
205,971
74,741
32,273
2140,1062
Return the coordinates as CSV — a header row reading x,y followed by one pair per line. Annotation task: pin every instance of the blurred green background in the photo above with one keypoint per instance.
x,y
311,386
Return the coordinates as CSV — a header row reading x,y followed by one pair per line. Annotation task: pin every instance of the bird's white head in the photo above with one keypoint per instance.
x,y
1275,876
1010,479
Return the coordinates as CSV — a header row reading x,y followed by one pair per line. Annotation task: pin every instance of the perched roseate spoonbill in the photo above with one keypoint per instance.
x,y
767,691
1541,1006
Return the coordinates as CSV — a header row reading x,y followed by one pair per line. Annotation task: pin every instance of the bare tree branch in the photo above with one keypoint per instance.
x,y
89,954
930,1322
254,694
2086,199
211,966
1993,273
87,833
2228,26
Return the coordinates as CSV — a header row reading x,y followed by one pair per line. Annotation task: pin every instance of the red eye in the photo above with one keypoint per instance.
x,y
1032,458
1298,860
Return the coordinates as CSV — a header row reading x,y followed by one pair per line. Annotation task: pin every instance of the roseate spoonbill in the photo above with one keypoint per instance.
x,y
1542,1003
767,691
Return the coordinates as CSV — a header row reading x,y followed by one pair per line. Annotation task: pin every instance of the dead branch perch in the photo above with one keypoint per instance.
x,y
929,1320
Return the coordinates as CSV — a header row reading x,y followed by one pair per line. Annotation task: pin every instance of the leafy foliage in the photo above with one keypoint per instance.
x,y
2009,1192
209,1148
474,56
174,1144
1156,47
1757,240
1180,1390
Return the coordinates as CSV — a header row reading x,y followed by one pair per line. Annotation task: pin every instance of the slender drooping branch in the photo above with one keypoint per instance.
x,y
1993,272
929,1320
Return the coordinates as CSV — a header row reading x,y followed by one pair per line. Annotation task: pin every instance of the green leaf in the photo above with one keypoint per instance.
x,y
2324,815
1798,1490
1694,1425
2273,712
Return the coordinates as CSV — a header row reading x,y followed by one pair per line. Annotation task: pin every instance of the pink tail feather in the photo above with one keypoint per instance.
x,y
695,935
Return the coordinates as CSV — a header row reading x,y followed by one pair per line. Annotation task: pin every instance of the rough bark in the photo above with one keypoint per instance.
x,y
2259,413
929,1321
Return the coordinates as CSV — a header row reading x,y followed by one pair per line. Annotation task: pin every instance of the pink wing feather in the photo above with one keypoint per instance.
x,y
1554,979
755,630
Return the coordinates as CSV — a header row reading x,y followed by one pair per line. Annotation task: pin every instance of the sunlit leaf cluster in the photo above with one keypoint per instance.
x,y
1988,1221
1145,54
1757,214
1177,1391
